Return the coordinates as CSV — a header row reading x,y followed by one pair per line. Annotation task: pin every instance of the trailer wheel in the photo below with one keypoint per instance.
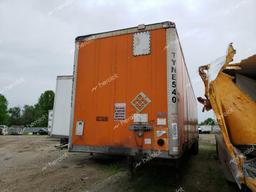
x,y
194,148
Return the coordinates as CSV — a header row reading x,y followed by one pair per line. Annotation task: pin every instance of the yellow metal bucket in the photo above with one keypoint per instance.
x,y
239,110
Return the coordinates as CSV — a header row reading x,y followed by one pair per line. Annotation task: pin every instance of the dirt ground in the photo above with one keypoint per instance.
x,y
32,163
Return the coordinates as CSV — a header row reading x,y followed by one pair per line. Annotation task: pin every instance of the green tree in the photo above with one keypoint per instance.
x,y
208,121
3,110
28,115
15,116
45,103
34,116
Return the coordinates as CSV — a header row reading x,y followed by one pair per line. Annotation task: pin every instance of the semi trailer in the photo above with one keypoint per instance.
x,y
132,94
62,108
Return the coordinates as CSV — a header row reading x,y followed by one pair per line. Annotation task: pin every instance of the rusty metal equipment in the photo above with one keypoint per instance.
x,y
230,91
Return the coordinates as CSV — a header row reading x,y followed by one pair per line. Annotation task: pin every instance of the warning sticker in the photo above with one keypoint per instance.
x,y
147,141
174,131
120,111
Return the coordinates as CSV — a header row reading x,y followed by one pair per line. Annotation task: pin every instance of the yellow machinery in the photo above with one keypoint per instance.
x,y
230,90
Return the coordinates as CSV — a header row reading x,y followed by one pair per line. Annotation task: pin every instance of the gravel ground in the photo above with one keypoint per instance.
x,y
32,163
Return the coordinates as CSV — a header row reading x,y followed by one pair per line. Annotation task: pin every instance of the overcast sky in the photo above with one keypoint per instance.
x,y
37,37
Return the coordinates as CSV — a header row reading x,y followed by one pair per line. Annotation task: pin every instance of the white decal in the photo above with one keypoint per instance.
x,y
120,111
147,141
174,131
173,78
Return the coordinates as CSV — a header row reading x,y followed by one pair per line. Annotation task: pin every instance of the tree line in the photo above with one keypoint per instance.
x,y
208,121
29,115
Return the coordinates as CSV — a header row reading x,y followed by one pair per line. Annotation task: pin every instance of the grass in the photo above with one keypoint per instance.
x,y
110,164
114,168
198,173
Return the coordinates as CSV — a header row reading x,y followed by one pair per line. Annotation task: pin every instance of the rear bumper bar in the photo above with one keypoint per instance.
x,y
122,151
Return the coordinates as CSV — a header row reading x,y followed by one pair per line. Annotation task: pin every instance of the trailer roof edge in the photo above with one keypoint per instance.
x,y
141,27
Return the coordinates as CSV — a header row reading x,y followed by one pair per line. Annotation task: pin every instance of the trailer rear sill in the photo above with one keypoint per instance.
x,y
120,151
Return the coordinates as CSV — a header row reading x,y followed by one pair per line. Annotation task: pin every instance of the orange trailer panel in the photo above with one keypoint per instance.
x,y
132,93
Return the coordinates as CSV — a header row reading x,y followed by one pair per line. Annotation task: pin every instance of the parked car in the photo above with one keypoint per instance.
x,y
205,129
3,130
15,130
43,131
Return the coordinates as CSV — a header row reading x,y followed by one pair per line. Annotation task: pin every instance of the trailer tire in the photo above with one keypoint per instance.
x,y
194,148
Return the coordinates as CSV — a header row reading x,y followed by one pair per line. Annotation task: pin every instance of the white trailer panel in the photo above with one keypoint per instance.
x,y
50,119
62,106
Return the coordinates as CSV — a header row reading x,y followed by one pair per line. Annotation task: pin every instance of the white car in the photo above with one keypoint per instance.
x,y
3,130
205,129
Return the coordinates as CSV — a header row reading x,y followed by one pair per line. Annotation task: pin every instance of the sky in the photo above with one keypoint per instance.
x,y
37,37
